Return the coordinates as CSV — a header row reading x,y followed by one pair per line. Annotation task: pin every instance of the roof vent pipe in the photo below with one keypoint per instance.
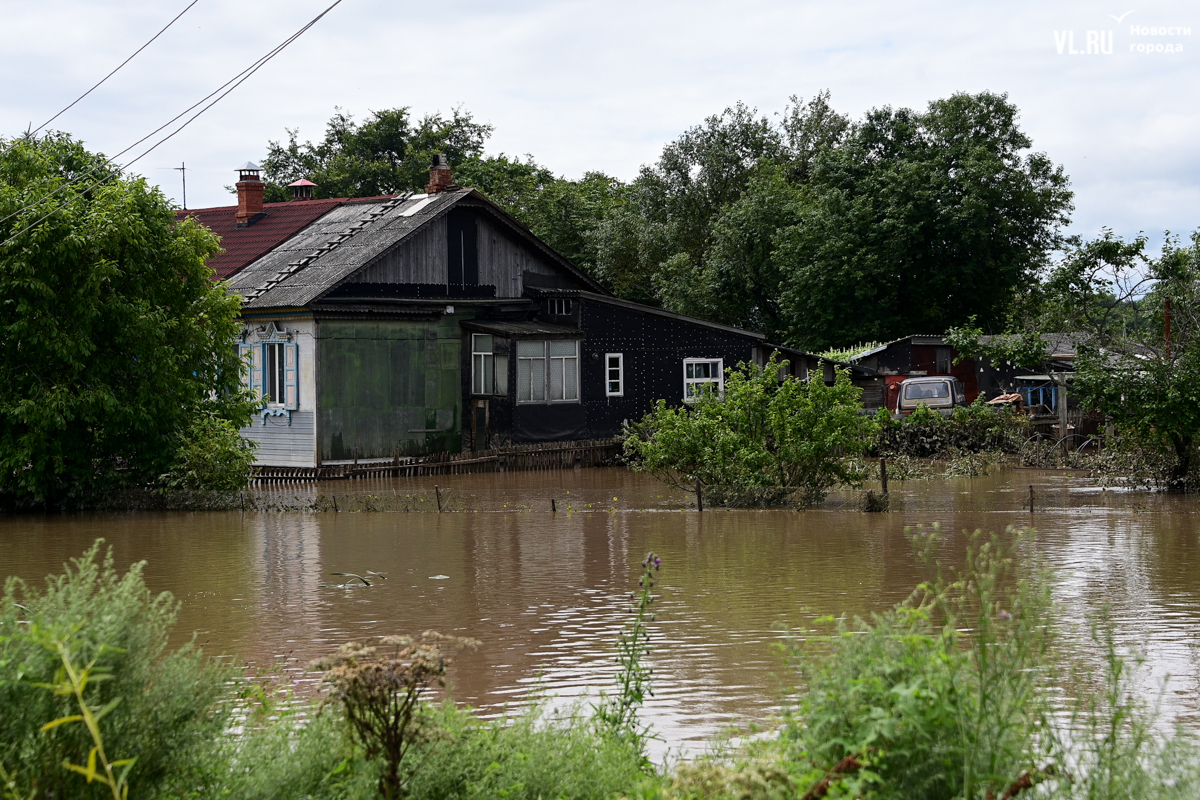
x,y
250,194
439,175
302,189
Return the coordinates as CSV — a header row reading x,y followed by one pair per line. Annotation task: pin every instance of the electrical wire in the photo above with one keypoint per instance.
x,y
114,72
236,81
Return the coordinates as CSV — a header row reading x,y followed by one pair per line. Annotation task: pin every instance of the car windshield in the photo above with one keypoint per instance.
x,y
927,391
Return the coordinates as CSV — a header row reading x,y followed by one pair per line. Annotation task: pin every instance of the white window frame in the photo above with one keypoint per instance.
x,y
608,379
548,361
689,394
559,306
483,370
273,376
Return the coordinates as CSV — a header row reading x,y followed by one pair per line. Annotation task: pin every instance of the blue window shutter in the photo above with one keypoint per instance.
x,y
258,357
244,352
291,376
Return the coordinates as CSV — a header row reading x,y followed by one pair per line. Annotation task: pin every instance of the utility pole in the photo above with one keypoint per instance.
x,y
182,170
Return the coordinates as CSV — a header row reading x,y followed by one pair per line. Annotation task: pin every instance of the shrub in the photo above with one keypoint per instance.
x,y
168,715
974,428
909,705
535,755
212,457
760,443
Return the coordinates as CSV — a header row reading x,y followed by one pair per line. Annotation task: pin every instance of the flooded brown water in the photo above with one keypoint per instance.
x,y
546,593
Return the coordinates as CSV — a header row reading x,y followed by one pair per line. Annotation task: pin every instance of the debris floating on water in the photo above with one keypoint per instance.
x,y
439,577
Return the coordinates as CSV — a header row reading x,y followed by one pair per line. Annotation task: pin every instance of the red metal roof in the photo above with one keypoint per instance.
x,y
244,245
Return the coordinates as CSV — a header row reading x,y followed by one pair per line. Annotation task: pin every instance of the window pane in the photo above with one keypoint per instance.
x,y
556,378
477,374
524,372
501,370
690,370
537,379
481,343
531,349
488,378
571,378
559,348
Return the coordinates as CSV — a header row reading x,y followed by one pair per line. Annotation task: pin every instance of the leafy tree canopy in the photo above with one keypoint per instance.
x,y
388,153
112,332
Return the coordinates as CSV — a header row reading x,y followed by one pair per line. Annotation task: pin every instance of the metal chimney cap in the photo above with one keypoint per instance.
x,y
440,162
302,182
249,166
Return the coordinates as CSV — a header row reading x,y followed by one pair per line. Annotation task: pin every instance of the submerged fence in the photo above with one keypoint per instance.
x,y
546,456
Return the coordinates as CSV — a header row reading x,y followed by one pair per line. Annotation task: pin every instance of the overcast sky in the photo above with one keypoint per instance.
x,y
603,85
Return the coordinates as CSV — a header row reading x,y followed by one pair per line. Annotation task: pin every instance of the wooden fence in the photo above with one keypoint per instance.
x,y
551,455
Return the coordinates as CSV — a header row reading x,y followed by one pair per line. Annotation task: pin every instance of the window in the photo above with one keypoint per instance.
x,y
489,370
702,375
548,372
560,306
273,374
614,374
939,390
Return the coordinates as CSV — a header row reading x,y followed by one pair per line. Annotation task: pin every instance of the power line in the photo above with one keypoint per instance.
x,y
236,81
114,72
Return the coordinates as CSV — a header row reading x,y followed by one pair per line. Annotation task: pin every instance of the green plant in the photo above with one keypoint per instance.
x,y
618,715
214,456
941,697
72,681
172,711
380,695
535,754
761,442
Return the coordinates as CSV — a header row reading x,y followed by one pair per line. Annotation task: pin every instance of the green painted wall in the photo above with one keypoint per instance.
x,y
389,384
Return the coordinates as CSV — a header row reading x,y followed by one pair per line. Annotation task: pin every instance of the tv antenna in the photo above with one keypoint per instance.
x,y
182,170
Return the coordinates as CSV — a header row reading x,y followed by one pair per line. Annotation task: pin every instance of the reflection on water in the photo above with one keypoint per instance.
x,y
547,593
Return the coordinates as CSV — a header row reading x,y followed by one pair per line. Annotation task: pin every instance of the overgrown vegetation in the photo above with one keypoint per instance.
x,y
956,693
761,441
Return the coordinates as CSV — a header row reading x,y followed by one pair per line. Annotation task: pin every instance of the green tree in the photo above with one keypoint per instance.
x,y
113,335
918,221
388,153
760,442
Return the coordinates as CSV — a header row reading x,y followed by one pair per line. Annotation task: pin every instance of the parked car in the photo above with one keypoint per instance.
x,y
941,394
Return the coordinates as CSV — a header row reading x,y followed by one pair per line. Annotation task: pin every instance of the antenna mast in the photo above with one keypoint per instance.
x,y
182,170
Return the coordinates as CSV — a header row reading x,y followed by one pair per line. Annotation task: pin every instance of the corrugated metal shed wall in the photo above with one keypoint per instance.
x,y
388,385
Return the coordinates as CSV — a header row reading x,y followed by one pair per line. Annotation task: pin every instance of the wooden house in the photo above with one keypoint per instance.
x,y
433,322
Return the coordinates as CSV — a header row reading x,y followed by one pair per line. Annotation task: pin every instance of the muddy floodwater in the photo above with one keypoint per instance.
x,y
547,592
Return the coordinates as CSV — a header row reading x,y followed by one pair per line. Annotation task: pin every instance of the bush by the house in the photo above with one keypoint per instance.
x,y
762,441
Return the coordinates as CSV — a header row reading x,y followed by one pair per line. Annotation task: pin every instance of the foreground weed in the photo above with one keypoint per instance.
x,y
380,694
72,681
940,697
619,714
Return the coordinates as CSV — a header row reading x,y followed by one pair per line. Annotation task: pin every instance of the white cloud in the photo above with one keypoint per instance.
x,y
603,85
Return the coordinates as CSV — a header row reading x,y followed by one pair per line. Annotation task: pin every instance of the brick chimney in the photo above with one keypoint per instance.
x,y
302,189
250,194
439,175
